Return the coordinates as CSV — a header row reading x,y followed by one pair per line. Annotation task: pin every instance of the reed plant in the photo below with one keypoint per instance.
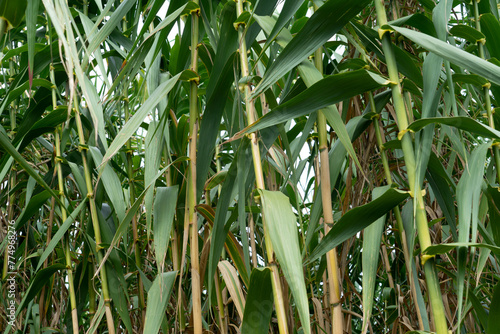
x,y
249,167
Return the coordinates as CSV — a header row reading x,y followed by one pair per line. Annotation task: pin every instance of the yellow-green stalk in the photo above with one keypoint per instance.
x,y
220,306
135,232
415,189
486,90
12,176
259,175
60,183
396,210
334,286
94,218
191,188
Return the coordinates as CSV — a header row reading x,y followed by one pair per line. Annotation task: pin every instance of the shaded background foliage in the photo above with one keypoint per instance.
x,y
220,166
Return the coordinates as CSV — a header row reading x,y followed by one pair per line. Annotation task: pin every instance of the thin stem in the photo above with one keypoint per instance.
x,y
259,175
191,192
486,91
396,211
415,188
60,183
220,305
95,220
135,232
326,199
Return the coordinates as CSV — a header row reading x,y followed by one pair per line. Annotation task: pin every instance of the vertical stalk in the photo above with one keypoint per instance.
x,y
60,183
396,210
486,91
415,189
220,305
69,266
135,232
259,175
326,199
191,190
95,220
12,176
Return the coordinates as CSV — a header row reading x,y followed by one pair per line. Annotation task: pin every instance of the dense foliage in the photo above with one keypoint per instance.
x,y
255,167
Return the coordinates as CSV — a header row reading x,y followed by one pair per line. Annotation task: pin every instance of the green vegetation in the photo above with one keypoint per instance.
x,y
249,167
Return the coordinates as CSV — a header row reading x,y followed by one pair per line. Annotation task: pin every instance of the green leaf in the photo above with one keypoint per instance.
x,y
491,29
467,33
310,74
215,180
12,12
31,17
462,123
164,211
281,225
111,183
118,292
158,297
445,248
472,79
189,75
494,313
41,279
468,197
453,54
32,208
60,233
331,90
259,305
288,10
11,150
323,24
135,121
114,19
233,285
220,228
243,19
357,219
372,237
123,226
419,21
152,161
218,90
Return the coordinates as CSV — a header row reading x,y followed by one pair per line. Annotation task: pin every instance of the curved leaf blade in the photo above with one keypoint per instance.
x,y
453,54
357,219
322,25
282,226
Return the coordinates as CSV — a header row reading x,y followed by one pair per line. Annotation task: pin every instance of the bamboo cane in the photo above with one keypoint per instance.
x,y
415,189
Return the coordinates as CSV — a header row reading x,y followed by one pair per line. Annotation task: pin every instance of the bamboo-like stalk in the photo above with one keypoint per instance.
x,y
326,199
486,91
220,305
135,232
12,174
72,294
191,215
60,183
41,300
415,189
259,175
396,210
94,219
